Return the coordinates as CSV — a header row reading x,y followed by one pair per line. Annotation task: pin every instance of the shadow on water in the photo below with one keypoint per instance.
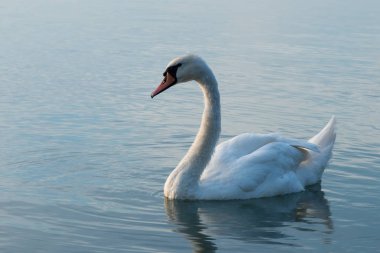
x,y
255,221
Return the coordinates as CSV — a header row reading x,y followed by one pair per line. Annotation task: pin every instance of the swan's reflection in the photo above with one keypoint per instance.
x,y
255,220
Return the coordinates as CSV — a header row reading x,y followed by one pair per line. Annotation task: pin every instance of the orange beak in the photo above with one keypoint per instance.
x,y
168,81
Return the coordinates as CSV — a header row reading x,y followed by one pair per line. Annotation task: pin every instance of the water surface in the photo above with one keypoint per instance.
x,y
84,151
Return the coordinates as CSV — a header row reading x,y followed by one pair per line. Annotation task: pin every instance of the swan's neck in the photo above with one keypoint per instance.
x,y
183,182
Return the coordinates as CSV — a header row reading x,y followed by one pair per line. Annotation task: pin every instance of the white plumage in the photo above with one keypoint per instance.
x,y
246,166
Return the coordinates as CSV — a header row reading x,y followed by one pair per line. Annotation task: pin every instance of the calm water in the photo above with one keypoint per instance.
x,y
84,151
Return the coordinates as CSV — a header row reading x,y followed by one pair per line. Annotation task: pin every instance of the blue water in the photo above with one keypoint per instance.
x,y
84,151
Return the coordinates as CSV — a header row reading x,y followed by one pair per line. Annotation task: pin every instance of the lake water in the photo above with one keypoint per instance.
x,y
85,151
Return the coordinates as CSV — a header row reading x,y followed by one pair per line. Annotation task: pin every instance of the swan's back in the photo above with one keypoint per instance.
x,y
262,165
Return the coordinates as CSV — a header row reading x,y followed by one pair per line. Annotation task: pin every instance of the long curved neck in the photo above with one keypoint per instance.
x,y
208,134
183,181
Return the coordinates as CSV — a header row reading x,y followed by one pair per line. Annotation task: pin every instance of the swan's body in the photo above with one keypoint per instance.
x,y
246,166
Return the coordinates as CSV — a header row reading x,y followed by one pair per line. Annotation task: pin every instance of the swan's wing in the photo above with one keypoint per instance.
x,y
266,171
270,169
222,165
247,143
242,145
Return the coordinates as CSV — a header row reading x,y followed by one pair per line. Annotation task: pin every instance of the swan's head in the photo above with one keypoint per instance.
x,y
181,70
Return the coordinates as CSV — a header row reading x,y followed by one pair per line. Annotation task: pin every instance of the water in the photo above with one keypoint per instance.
x,y
84,151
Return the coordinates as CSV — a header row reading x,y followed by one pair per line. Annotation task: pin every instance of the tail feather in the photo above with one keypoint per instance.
x,y
311,170
326,136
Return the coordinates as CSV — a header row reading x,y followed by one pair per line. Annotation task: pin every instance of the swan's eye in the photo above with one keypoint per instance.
x,y
172,70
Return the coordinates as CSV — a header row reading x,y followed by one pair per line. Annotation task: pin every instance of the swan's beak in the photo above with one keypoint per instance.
x,y
168,81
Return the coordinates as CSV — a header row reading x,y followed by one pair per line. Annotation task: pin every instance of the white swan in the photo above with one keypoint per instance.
x,y
246,166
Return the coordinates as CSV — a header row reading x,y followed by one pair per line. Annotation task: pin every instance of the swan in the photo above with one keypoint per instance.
x,y
246,166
